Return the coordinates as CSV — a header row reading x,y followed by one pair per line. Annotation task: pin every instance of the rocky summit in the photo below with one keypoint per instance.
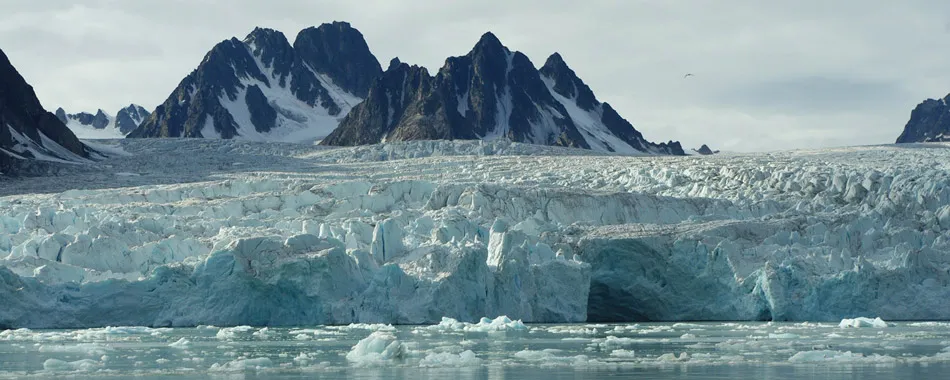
x,y
490,93
264,88
929,122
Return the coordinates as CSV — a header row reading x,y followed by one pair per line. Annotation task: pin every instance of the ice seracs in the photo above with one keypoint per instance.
x,y
411,232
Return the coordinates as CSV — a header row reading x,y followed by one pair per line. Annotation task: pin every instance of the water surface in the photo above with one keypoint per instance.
x,y
549,352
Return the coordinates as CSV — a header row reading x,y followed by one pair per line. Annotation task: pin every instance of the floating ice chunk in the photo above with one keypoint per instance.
x,y
670,357
380,346
818,356
371,326
228,333
550,357
263,333
446,359
84,365
242,365
180,344
502,323
621,353
862,322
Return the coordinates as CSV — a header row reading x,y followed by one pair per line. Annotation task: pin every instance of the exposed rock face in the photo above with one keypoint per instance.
x,y
27,131
129,118
929,122
489,93
262,88
705,150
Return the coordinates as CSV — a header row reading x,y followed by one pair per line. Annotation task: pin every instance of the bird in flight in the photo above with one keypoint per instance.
x,y
688,75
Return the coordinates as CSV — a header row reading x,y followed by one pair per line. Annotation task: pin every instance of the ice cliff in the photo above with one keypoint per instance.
x,y
231,233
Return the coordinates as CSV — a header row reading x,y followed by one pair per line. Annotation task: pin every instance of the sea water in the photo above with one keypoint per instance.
x,y
512,350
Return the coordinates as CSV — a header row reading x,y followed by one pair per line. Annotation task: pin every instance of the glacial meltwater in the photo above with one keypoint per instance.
x,y
491,349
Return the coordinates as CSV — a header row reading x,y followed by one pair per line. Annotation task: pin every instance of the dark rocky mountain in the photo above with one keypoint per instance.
x,y
705,150
929,122
28,133
264,88
101,124
129,118
489,93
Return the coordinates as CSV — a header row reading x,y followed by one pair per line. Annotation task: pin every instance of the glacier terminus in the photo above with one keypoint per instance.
x,y
186,232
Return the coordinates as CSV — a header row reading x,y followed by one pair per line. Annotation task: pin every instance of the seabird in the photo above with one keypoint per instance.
x,y
688,75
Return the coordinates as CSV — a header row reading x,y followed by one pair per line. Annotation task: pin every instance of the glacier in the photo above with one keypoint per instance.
x,y
186,232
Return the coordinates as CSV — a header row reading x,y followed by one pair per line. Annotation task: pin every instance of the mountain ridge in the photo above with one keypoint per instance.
x,y
491,92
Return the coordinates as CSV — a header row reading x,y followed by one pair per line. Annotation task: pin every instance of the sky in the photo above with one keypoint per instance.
x,y
767,75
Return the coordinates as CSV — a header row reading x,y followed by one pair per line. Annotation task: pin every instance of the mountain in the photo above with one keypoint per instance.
x,y
264,88
929,122
27,131
705,150
102,125
490,93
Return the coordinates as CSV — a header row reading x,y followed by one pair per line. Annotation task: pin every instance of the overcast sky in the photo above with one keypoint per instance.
x,y
768,76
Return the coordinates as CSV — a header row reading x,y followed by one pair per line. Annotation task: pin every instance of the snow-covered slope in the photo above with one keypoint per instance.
x,y
185,232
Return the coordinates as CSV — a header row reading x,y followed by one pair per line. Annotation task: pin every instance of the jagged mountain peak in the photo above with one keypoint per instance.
x,y
103,124
340,52
393,63
489,93
489,41
567,83
265,88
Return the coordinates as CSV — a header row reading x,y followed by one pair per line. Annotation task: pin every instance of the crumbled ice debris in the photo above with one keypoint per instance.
x,y
371,326
90,349
380,346
180,344
241,365
551,358
784,336
669,357
502,323
466,358
263,333
84,365
862,322
232,332
572,330
621,353
839,357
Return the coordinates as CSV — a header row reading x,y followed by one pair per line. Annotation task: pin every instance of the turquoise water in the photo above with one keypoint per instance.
x,y
577,351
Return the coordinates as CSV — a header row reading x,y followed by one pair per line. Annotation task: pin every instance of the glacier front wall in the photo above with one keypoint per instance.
x,y
409,233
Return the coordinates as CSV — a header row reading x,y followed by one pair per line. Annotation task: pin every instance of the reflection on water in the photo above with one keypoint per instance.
x,y
548,352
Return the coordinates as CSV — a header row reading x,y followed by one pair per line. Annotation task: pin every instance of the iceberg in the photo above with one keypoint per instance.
x,y
408,233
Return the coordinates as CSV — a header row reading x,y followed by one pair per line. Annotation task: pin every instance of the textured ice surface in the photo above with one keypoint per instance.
x,y
235,233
